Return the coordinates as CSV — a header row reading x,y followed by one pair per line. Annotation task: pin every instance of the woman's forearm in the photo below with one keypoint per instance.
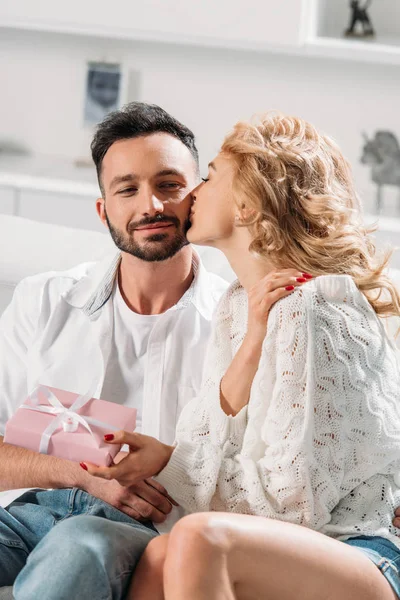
x,y
237,381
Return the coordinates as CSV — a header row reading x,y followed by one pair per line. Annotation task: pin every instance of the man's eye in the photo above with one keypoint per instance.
x,y
205,180
170,185
128,190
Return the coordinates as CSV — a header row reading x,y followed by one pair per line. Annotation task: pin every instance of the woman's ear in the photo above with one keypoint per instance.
x,y
244,214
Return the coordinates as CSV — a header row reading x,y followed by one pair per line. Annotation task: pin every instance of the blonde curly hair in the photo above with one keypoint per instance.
x,y
305,213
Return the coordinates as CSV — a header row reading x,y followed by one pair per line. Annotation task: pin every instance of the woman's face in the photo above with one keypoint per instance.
x,y
213,212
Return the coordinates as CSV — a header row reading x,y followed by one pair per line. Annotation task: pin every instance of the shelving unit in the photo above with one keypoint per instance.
x,y
311,28
254,25
327,20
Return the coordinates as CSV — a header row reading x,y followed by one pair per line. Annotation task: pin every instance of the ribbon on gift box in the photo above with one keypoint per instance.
x,y
68,418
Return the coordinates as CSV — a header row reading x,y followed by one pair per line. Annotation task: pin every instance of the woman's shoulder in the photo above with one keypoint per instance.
x,y
336,288
326,289
321,296
329,288
322,299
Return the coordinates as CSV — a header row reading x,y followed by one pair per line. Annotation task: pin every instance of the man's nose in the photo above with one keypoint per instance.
x,y
150,204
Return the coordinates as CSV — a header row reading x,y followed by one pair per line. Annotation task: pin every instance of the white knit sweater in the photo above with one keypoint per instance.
x,y
319,442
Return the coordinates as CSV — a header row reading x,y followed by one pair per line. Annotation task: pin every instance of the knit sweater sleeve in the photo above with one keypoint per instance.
x,y
291,464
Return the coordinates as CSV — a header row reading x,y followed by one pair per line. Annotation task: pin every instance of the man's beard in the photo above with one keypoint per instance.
x,y
158,246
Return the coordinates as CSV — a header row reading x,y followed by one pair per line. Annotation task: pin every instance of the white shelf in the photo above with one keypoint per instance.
x,y
48,174
159,37
297,28
327,21
206,23
304,36
380,51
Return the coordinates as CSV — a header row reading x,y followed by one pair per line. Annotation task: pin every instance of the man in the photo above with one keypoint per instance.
x,y
133,329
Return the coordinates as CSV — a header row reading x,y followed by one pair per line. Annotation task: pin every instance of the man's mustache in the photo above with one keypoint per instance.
x,y
153,221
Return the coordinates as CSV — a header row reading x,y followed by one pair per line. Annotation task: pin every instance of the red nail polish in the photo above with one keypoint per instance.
x,y
108,437
83,466
301,279
307,275
289,288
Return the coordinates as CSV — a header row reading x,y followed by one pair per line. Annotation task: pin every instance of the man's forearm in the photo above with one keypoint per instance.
x,y
21,468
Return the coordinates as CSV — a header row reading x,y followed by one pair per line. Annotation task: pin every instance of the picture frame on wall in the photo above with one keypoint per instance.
x,y
105,91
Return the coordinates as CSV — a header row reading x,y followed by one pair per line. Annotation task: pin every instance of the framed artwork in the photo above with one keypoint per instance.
x,y
104,91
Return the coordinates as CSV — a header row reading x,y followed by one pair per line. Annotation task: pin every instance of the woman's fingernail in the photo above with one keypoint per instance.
x,y
108,437
301,279
83,466
307,275
289,288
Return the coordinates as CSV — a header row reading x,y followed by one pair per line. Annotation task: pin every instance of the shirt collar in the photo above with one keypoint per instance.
x,y
95,289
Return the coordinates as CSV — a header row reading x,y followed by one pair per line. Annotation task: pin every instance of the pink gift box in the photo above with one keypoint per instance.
x,y
26,427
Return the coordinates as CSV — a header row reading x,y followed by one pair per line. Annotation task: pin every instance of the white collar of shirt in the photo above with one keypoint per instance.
x,y
95,289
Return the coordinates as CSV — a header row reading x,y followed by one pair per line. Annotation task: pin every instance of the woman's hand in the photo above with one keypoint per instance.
x,y
146,458
263,295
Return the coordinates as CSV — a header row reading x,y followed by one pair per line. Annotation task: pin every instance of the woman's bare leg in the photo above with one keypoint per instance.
x,y
221,556
147,581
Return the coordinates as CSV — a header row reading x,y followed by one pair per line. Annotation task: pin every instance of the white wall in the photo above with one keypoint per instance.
x,y
42,81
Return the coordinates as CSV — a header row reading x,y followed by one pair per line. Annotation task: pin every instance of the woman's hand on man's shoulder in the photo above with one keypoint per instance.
x,y
264,294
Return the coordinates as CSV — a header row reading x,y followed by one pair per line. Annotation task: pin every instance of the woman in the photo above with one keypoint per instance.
x,y
297,426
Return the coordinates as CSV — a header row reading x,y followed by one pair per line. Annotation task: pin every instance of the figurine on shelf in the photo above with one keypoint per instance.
x,y
382,154
360,16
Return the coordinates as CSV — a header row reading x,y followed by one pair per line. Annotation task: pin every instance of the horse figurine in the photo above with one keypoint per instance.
x,y
382,154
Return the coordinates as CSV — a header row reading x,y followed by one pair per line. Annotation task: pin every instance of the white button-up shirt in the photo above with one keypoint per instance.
x,y
57,331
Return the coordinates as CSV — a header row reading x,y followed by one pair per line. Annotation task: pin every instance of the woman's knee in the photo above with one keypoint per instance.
x,y
200,532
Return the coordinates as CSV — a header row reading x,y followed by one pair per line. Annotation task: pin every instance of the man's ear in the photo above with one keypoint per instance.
x,y
100,208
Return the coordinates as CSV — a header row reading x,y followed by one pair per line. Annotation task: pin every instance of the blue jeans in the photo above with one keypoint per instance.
x,y
384,554
66,544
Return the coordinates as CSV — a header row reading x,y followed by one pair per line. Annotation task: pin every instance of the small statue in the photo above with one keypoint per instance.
x,y
360,15
382,154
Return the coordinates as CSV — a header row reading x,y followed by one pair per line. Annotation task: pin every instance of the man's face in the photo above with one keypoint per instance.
x,y
147,183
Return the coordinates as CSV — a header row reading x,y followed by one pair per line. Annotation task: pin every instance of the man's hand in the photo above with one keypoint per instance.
x,y
147,457
147,500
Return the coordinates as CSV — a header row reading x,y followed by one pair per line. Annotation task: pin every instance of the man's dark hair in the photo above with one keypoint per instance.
x,y
137,119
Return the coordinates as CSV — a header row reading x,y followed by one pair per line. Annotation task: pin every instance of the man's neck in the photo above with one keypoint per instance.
x,y
151,288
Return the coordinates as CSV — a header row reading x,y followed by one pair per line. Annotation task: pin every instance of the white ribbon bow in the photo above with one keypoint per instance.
x,y
67,418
